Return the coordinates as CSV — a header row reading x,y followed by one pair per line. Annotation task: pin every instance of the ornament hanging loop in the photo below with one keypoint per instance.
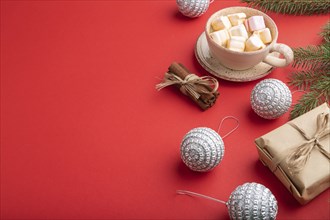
x,y
184,192
231,131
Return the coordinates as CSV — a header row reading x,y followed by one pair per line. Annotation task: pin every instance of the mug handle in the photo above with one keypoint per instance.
x,y
283,49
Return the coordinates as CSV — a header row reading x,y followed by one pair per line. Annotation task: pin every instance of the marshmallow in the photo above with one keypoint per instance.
x,y
236,43
264,35
254,43
246,24
256,23
237,18
238,30
239,33
220,23
220,37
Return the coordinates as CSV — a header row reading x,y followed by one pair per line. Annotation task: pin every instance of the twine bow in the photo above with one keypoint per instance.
x,y
192,84
299,155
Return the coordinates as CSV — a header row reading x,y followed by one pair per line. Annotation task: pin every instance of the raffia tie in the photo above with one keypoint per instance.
x,y
298,156
192,84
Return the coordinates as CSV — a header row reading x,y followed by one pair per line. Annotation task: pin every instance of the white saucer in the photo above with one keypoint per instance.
x,y
213,66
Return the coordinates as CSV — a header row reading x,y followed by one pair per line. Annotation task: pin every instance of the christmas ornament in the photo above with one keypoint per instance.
x,y
202,148
193,8
248,201
252,201
270,98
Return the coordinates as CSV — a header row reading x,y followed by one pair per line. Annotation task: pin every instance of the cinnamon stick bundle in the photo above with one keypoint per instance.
x,y
202,90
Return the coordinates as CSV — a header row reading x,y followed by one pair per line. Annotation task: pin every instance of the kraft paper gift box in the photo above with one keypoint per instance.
x,y
298,153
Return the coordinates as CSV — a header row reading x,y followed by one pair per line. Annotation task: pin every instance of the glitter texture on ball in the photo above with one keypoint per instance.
x,y
193,8
270,98
202,149
252,201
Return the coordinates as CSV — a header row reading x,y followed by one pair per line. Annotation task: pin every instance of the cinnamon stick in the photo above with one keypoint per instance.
x,y
206,100
215,94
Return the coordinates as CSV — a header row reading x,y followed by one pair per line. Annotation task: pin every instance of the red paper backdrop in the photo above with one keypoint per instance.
x,y
84,133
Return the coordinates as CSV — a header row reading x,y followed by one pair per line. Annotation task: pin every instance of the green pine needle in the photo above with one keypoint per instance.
x,y
296,7
306,103
326,32
303,79
322,85
313,74
312,57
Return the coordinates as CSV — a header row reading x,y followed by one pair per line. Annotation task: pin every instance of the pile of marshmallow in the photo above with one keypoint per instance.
x,y
239,33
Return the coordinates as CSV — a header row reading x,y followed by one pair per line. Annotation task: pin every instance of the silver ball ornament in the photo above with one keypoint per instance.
x,y
202,149
193,8
270,98
252,201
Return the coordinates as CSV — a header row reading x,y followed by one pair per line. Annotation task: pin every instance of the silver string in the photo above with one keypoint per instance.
x,y
185,192
220,125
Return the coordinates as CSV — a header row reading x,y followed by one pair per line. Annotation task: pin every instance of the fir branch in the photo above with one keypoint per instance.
x,y
305,78
314,76
322,86
326,33
296,7
312,57
306,103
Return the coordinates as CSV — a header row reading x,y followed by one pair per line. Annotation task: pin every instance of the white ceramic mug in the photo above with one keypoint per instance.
x,y
245,60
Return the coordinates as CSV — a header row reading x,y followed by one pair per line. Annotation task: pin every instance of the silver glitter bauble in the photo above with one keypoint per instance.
x,y
252,201
193,8
271,98
202,149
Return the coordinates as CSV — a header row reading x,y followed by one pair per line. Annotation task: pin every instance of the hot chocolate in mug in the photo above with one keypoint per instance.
x,y
245,60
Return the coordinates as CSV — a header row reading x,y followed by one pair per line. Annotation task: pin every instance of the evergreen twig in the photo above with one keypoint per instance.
x,y
312,57
306,103
296,7
313,76
303,79
326,32
322,86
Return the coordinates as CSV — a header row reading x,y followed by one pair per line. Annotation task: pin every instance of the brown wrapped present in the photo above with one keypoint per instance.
x,y
298,153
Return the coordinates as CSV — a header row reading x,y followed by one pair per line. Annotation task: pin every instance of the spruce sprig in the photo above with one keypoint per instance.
x,y
326,32
322,86
306,103
303,79
313,74
296,7
312,57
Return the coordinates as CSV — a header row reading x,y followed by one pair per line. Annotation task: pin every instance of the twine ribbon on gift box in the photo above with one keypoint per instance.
x,y
297,157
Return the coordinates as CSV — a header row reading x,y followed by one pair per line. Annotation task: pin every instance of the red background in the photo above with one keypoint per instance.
x,y
84,133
